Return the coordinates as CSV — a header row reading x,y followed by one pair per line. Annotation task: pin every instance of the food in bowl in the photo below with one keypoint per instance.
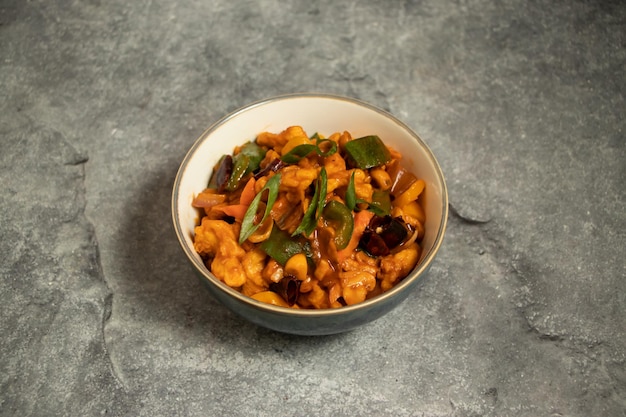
x,y
311,222
322,113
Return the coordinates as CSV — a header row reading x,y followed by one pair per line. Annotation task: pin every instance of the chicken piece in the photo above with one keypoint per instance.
x,y
273,272
358,277
316,298
362,185
360,261
230,270
396,266
356,285
277,141
208,236
253,263
294,183
337,180
294,132
271,140
296,179
286,213
270,156
334,295
334,164
249,288
217,239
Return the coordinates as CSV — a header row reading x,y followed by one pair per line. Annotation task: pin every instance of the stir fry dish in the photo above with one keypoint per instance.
x,y
310,221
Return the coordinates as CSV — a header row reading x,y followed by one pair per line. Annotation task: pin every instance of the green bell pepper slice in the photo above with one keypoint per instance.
x,y
381,203
245,162
255,155
367,152
280,246
240,167
340,217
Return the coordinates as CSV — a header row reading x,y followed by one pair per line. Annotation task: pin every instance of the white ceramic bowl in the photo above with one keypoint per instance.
x,y
325,114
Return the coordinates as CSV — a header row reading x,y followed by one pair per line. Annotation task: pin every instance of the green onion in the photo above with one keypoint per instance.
x,y
313,212
297,153
381,203
247,225
351,193
322,196
329,152
255,154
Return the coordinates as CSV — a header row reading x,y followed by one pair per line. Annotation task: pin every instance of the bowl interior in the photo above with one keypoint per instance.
x,y
315,113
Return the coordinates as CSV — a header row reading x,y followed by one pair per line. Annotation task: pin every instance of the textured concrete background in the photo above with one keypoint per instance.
x,y
522,102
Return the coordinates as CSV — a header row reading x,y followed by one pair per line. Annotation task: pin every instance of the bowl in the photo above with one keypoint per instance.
x,y
325,114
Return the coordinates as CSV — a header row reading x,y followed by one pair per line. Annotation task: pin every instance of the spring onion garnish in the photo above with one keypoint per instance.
x,y
351,193
313,211
296,154
341,218
381,201
280,246
248,227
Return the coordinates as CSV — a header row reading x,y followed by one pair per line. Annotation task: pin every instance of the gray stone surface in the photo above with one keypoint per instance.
x,y
523,313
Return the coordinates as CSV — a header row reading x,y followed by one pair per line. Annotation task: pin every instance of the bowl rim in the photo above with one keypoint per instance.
x,y
415,274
